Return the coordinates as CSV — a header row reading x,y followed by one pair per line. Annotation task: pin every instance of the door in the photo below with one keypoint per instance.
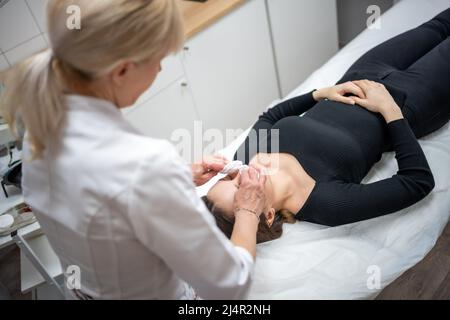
x,y
305,36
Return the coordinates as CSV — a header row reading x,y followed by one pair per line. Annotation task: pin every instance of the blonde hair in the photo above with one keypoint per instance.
x,y
111,31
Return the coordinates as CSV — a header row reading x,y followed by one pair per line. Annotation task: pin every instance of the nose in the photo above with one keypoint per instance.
x,y
235,175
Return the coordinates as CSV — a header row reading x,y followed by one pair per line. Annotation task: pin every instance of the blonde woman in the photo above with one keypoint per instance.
x,y
120,205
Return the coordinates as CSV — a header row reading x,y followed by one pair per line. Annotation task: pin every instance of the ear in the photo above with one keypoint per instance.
x,y
121,72
270,217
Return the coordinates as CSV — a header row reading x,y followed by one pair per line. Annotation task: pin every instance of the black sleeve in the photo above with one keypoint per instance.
x,y
292,107
338,203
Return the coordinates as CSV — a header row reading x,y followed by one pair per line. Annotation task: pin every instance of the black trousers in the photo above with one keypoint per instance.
x,y
415,68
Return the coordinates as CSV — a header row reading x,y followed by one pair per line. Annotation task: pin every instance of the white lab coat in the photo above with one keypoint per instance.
x,y
123,208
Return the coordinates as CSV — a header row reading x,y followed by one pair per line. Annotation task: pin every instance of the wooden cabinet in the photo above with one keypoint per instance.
x,y
230,68
305,36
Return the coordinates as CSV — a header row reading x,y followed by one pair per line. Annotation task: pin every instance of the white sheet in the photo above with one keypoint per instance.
x,y
317,262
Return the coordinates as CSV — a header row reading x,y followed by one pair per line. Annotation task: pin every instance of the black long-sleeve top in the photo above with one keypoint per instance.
x,y
337,145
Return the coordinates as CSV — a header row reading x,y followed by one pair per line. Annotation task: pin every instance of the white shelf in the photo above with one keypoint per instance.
x,y
30,277
15,198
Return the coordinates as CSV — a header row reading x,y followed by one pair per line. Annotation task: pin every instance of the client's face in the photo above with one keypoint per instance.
x,y
223,192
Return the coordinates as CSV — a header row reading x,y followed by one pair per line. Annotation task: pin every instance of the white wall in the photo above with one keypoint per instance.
x,y
22,30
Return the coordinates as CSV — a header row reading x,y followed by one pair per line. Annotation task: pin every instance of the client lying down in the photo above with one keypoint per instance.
x,y
316,173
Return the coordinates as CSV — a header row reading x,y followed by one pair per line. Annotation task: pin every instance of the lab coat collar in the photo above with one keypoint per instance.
x,y
100,109
87,103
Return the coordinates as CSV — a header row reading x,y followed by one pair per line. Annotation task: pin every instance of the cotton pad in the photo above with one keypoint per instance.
x,y
6,221
233,166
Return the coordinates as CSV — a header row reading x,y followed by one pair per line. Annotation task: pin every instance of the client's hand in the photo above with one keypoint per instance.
x,y
205,170
250,198
379,100
338,93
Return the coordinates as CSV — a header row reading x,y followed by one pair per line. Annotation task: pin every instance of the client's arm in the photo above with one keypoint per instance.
x,y
292,107
296,107
299,105
337,203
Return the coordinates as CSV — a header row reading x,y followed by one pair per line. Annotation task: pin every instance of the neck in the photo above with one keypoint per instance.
x,y
283,190
291,193
97,88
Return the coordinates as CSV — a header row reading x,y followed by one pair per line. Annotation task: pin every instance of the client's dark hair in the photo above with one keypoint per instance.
x,y
265,233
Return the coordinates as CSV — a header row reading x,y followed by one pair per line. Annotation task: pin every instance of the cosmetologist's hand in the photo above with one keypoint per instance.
x,y
251,196
208,168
